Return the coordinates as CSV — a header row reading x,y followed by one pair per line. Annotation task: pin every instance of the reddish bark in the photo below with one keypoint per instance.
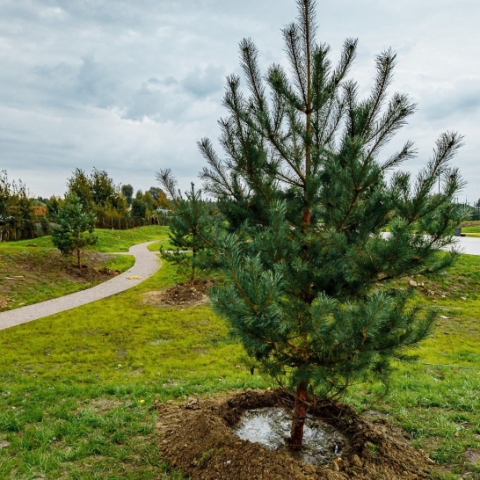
x,y
298,420
306,217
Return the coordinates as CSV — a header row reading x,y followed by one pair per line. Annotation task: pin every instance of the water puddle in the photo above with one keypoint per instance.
x,y
271,428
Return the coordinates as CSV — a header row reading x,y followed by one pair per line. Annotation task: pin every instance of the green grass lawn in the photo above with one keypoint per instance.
x,y
122,240
75,388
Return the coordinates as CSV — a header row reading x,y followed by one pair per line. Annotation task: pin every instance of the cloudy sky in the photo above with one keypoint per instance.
x,y
130,86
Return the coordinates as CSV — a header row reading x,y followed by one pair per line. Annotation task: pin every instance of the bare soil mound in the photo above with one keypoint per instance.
x,y
198,439
182,294
90,271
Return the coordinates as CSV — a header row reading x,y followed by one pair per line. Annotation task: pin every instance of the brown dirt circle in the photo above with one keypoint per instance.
x,y
180,295
197,438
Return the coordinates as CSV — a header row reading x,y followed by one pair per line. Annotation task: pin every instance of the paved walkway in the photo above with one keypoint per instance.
x,y
469,245
146,264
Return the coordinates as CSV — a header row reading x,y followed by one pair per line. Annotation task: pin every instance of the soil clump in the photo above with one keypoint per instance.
x,y
198,439
182,294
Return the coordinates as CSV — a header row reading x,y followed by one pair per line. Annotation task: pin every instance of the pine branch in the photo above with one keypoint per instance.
x,y
216,179
297,61
385,64
249,55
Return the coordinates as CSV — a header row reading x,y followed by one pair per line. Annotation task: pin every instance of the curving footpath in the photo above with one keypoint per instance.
x,y
146,264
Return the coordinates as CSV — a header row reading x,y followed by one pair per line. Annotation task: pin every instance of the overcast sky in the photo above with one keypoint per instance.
x,y
130,86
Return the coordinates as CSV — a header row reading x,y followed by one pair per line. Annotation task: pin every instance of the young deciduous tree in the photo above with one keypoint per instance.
x,y
74,228
159,197
307,196
188,222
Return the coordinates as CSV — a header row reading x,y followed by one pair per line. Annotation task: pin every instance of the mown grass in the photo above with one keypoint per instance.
x,y
73,385
122,240
75,388
163,244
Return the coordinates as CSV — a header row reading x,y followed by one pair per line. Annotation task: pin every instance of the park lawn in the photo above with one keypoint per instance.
x,y
122,240
164,244
471,228
76,388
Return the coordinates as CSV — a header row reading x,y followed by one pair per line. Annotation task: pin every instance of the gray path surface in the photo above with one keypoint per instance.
x,y
146,264
469,245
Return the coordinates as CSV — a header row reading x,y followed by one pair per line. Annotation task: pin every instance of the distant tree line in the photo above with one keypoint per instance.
x,y
112,206
17,210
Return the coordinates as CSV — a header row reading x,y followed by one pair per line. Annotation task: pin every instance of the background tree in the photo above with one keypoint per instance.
x,y
188,221
127,191
305,192
74,228
80,185
139,206
53,204
159,197
16,216
150,203
103,188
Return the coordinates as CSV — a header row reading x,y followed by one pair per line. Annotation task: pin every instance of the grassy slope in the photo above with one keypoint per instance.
x,y
108,240
21,259
28,277
75,388
163,244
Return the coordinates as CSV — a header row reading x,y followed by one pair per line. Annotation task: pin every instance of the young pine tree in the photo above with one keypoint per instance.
x,y
74,228
188,221
307,196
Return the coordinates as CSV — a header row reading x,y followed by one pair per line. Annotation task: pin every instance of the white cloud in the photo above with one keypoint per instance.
x,y
130,87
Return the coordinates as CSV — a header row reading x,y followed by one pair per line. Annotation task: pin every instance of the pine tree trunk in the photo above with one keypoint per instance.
x,y
79,260
192,278
298,420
